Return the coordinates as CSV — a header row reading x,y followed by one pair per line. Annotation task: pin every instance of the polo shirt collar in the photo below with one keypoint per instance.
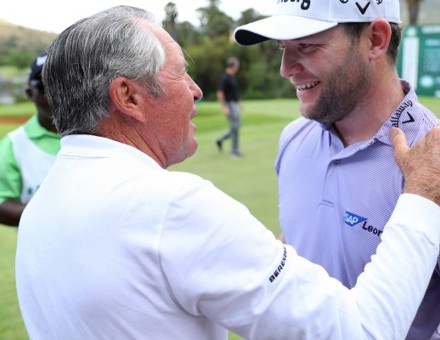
x,y
35,130
406,116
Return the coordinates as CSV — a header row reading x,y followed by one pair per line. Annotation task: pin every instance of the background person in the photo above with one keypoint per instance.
x,y
27,153
341,58
129,249
229,99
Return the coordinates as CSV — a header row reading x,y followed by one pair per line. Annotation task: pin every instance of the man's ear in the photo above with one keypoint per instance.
x,y
379,32
127,97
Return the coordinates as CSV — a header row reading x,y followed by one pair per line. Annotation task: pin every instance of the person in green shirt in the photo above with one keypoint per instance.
x,y
27,153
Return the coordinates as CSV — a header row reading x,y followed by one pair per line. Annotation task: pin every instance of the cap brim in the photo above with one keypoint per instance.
x,y
279,27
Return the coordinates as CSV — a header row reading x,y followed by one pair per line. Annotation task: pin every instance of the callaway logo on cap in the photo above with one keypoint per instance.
x,y
295,19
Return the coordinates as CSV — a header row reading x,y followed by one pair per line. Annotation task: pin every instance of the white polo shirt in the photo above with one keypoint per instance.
x,y
114,247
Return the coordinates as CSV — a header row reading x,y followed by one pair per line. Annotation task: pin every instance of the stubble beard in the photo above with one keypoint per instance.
x,y
344,87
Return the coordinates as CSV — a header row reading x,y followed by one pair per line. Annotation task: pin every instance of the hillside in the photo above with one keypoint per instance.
x,y
19,45
22,38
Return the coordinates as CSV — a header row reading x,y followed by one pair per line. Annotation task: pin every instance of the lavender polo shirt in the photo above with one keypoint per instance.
x,y
334,201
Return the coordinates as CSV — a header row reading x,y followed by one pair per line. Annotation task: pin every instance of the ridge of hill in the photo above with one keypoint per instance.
x,y
18,37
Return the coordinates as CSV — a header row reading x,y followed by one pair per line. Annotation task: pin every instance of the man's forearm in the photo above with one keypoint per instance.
x,y
10,212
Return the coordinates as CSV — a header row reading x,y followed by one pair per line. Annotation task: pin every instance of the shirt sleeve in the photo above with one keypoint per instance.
x,y
223,264
10,176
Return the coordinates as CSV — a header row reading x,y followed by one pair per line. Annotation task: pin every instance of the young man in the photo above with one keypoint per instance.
x,y
338,181
229,98
113,245
27,153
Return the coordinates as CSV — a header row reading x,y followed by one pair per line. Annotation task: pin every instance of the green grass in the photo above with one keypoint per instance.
x,y
17,110
251,180
11,324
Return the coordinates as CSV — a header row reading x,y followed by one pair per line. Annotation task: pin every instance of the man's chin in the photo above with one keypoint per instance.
x,y
307,113
191,148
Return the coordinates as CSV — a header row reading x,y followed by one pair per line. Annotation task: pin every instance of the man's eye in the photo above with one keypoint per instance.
x,y
307,47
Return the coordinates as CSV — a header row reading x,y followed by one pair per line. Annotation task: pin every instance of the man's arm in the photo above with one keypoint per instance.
x,y
265,290
10,212
10,185
221,99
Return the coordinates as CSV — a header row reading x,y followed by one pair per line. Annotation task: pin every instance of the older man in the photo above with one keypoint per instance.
x,y
114,245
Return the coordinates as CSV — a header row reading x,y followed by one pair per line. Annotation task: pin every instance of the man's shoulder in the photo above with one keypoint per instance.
x,y
7,141
5,146
186,180
26,130
301,131
299,126
224,76
427,122
430,117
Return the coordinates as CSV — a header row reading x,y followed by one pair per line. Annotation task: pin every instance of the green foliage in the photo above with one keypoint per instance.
x,y
12,81
206,63
18,57
213,22
9,71
207,47
265,83
20,45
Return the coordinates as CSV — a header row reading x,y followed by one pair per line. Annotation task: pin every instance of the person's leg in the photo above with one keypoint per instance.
x,y
219,141
235,127
228,134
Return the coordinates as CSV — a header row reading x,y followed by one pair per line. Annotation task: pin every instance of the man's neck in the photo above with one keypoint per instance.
x,y
369,115
46,122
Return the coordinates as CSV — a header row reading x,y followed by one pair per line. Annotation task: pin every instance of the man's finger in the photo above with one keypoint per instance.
x,y
399,143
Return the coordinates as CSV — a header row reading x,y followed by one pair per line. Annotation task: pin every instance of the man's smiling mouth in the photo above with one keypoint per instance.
x,y
306,86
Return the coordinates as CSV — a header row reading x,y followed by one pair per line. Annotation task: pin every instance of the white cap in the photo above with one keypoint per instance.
x,y
295,19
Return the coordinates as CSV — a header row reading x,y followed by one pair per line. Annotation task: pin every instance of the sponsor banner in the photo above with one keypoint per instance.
x,y
419,59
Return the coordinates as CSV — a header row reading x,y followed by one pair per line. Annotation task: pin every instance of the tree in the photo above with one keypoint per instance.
x,y
213,22
208,45
188,35
413,10
268,52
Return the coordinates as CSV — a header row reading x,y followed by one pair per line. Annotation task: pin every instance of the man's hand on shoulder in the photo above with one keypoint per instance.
x,y
420,164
